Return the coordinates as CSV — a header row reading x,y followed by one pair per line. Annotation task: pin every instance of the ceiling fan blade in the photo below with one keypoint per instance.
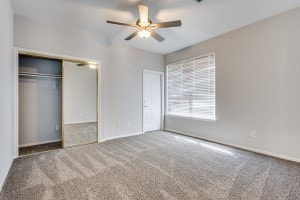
x,y
132,35
157,36
176,23
143,10
120,23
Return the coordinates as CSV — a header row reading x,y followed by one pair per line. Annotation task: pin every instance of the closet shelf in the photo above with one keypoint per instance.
x,y
29,74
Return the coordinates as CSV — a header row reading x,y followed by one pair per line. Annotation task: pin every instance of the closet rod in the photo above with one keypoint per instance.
x,y
39,75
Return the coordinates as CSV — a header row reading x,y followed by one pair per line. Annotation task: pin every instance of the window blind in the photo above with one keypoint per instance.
x,y
191,87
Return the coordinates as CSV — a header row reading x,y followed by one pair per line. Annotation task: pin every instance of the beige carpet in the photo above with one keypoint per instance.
x,y
157,165
39,148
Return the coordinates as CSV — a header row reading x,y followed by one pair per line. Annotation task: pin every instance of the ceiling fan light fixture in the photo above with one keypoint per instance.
x,y
144,26
92,66
144,33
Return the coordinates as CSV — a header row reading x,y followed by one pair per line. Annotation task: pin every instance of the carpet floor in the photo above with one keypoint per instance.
x,y
156,165
39,148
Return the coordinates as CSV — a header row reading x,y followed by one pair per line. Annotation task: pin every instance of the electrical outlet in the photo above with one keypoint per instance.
x,y
127,124
254,134
57,127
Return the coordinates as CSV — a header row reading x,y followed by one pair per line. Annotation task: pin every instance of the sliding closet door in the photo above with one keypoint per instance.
x,y
80,123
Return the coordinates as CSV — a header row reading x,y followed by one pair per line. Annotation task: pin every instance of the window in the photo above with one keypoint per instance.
x,y
191,88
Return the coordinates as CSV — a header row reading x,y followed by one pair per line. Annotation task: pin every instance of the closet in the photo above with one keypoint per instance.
x,y
57,103
40,104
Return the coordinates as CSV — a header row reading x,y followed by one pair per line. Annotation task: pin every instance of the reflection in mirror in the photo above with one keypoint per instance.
x,y
79,104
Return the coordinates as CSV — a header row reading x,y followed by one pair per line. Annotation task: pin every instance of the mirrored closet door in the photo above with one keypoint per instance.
x,y
80,104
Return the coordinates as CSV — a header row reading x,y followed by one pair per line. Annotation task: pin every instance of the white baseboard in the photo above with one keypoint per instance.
x,y
122,136
239,146
37,143
6,172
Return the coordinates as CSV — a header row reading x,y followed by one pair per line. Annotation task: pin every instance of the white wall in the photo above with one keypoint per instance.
x,y
6,117
37,35
257,86
121,70
125,88
80,93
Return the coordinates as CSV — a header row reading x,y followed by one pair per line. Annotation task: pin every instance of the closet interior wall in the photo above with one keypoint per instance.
x,y
40,100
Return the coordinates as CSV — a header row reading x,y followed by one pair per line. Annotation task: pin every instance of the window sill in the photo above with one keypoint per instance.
x,y
193,118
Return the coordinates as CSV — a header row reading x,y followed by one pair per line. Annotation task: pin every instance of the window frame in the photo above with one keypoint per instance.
x,y
166,90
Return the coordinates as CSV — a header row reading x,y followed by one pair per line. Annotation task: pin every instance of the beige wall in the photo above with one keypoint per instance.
x,y
257,86
6,64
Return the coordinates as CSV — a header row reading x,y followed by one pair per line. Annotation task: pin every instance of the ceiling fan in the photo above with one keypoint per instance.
x,y
145,27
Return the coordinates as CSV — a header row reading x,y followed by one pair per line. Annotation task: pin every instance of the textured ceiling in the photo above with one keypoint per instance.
x,y
201,21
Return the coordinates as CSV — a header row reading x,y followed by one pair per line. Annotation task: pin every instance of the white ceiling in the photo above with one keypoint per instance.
x,y
201,21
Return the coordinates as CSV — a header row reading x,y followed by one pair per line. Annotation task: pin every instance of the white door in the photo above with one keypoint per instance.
x,y
152,97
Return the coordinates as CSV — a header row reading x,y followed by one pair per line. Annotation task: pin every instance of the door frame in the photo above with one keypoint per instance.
x,y
162,79
23,51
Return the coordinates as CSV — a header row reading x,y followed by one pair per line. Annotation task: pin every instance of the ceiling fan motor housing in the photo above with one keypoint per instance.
x,y
143,25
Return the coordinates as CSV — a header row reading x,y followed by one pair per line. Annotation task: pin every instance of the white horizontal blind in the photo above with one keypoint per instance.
x,y
191,87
